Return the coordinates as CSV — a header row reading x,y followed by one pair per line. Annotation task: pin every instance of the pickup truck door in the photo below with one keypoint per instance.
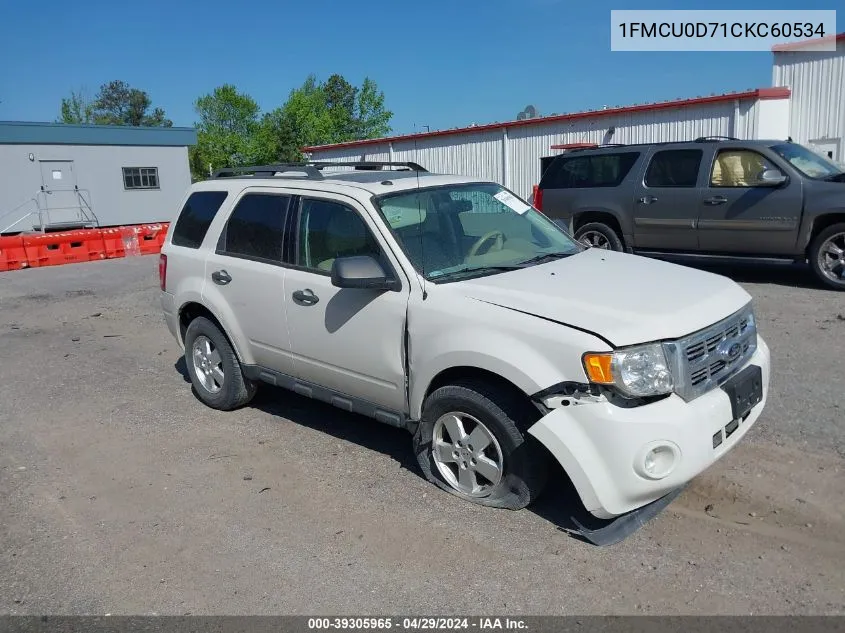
x,y
349,340
666,200
740,214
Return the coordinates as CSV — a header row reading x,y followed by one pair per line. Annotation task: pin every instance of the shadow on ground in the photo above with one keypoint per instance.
x,y
558,505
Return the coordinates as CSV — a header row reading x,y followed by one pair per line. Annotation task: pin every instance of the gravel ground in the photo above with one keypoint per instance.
x,y
122,494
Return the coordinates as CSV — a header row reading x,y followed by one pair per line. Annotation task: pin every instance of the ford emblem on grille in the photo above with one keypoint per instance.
x,y
729,350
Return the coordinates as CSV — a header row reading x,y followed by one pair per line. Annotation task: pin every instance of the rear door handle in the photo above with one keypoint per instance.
x,y
647,200
715,200
305,297
221,277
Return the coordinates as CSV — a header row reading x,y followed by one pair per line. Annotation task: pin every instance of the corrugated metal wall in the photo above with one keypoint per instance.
x,y
817,81
482,154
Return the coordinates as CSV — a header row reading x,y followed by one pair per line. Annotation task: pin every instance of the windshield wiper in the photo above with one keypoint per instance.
x,y
545,257
836,177
475,269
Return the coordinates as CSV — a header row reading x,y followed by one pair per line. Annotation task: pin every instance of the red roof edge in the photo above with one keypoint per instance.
x,y
794,46
573,145
760,93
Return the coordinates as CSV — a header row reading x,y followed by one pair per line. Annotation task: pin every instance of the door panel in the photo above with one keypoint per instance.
x,y
59,195
666,201
736,215
349,340
245,273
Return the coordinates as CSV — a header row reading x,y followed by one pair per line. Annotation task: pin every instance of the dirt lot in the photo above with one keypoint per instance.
x,y
121,493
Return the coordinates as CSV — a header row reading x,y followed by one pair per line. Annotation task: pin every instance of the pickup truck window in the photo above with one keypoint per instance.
x,y
807,162
674,168
601,170
738,168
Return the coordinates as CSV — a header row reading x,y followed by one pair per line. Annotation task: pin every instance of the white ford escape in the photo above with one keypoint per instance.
x,y
452,308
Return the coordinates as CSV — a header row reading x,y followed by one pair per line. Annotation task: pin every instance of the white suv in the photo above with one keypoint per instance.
x,y
454,309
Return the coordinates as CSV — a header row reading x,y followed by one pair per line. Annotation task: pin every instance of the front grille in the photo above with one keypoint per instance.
x,y
707,358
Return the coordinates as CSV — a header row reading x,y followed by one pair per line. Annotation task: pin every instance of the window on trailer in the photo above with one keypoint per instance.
x,y
140,177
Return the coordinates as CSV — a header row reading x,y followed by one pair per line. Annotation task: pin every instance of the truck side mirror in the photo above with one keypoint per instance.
x,y
771,178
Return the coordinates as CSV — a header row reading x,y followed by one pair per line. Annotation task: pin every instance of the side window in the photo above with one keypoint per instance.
x,y
328,230
674,168
738,168
602,170
196,217
255,228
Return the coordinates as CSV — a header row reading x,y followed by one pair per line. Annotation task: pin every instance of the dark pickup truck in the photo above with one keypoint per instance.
x,y
712,196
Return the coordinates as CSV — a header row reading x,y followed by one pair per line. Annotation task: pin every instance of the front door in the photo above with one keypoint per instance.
x,y
666,201
59,199
739,215
346,339
245,274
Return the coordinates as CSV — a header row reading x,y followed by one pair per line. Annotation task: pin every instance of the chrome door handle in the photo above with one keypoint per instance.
x,y
221,277
715,200
647,200
305,297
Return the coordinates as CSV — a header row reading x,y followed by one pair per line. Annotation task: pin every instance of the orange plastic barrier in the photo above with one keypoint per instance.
x,y
55,249
118,240
12,253
150,238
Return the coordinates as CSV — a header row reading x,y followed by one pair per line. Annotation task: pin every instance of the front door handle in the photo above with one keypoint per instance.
x,y
647,200
221,277
715,200
305,297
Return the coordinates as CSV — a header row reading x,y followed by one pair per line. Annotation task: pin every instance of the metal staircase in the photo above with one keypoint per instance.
x,y
41,214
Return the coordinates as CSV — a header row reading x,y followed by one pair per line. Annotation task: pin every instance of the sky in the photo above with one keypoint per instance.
x,y
441,64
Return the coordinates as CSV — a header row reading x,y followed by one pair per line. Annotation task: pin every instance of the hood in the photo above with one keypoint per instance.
x,y
625,299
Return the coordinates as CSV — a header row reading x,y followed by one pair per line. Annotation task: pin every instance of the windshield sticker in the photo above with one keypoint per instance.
x,y
512,201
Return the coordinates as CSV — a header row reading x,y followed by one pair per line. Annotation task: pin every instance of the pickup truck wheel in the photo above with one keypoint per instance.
x,y
598,235
214,367
827,256
469,443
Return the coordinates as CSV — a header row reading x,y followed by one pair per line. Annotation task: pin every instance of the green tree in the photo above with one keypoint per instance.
x,y
371,118
76,108
117,103
226,130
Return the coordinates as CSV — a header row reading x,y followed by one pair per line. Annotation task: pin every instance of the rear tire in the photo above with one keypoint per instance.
x,y
599,235
214,368
507,468
827,256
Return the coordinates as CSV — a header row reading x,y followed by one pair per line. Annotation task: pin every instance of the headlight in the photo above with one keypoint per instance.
x,y
635,371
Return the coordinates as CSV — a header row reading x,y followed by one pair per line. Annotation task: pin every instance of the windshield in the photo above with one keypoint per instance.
x,y
807,162
471,229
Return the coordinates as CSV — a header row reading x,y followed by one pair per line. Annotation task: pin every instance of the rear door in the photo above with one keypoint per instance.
x,y
738,214
244,272
666,199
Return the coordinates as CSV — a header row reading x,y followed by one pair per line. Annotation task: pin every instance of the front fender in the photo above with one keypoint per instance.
x,y
214,301
530,360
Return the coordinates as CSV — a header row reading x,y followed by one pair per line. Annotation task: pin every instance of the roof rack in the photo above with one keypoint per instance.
x,y
311,170
268,171
703,139
370,165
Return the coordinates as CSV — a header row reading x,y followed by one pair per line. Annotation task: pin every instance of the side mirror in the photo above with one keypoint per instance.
x,y
361,271
771,178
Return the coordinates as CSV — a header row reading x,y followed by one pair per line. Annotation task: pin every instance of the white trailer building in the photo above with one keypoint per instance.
x,y
511,152
56,176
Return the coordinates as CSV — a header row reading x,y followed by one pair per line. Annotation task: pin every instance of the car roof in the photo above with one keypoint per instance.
x,y
621,147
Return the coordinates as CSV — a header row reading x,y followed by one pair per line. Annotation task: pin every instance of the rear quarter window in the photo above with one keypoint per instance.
x,y
600,170
196,217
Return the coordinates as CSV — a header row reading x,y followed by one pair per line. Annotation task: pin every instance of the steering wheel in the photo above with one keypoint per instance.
x,y
496,236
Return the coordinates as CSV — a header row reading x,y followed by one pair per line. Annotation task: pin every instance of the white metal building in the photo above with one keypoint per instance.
x,y
817,107
510,152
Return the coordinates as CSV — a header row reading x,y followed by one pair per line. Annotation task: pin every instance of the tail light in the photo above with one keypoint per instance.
x,y
538,197
162,271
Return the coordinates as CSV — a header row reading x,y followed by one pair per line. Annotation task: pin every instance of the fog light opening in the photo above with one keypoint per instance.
x,y
659,462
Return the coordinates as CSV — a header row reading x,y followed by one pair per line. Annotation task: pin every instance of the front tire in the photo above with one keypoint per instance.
x,y
599,235
471,442
827,256
214,368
